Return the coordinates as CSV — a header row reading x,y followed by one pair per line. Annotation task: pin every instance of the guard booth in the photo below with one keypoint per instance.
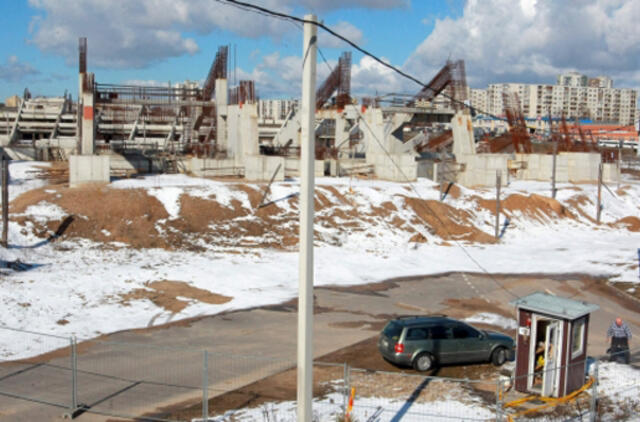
x,y
551,351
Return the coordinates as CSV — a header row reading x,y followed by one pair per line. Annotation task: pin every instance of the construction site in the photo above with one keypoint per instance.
x,y
150,264
216,130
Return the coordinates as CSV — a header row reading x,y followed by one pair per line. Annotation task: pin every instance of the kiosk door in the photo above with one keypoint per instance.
x,y
551,370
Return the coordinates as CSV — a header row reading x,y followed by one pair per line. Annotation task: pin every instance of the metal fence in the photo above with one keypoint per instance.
x,y
44,375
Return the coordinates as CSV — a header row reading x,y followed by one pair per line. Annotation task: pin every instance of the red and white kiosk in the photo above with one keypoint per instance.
x,y
551,353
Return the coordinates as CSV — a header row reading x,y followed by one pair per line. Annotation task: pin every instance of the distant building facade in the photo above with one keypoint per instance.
x,y
575,95
276,110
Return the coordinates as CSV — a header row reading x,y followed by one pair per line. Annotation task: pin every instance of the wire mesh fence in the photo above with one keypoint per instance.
x,y
135,380
37,367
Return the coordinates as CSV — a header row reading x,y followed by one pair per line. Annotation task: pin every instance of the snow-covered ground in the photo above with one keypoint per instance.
x,y
457,406
75,286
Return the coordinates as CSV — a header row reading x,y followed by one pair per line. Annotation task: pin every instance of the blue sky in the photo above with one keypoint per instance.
x,y
156,41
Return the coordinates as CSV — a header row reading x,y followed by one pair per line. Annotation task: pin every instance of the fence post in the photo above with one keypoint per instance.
x,y
205,386
498,400
594,394
74,375
345,383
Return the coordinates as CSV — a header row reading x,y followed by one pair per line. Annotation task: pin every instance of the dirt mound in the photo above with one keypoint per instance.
x,y
535,206
447,222
630,223
165,295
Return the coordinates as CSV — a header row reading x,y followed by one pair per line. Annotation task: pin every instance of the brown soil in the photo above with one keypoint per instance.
x,y
536,206
447,222
630,223
139,220
165,294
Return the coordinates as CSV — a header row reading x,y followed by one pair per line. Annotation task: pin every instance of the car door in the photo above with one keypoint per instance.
x,y
443,347
468,344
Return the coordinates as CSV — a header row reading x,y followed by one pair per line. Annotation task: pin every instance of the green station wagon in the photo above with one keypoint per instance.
x,y
425,341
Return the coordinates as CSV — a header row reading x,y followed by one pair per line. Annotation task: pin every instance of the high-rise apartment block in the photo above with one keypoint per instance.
x,y
575,95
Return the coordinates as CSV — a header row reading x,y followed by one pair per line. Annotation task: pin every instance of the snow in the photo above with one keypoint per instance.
x,y
327,408
82,281
493,319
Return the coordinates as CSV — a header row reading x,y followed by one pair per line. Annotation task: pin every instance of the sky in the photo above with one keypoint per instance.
x,y
155,42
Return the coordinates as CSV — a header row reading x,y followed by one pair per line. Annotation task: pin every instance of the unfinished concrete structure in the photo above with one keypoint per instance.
x,y
217,131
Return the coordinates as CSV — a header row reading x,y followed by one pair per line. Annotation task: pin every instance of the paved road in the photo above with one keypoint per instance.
x,y
141,371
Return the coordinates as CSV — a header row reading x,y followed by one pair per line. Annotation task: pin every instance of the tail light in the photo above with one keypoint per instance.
x,y
399,348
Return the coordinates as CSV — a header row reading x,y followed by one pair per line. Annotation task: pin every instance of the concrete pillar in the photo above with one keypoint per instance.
x,y
222,100
463,141
88,117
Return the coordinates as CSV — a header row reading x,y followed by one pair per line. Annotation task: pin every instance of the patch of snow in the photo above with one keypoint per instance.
x,y
44,211
493,319
329,407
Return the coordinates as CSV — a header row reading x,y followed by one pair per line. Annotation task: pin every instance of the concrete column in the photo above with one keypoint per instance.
x,y
463,142
222,100
88,118
305,287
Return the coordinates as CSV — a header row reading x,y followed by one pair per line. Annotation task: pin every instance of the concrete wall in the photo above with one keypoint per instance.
x,y
262,167
345,167
395,167
583,166
292,167
540,167
209,167
480,169
88,169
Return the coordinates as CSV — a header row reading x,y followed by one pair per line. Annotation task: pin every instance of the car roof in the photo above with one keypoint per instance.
x,y
414,320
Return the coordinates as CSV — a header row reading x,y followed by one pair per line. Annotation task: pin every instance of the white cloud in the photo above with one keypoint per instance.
x,y
136,33
14,70
347,30
533,41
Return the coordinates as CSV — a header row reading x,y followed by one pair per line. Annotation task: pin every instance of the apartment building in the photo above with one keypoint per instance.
x,y
575,96
276,110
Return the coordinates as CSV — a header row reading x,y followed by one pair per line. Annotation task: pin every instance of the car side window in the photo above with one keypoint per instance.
x,y
464,331
420,333
440,332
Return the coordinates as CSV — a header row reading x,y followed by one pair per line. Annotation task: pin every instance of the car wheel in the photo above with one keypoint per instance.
x,y
423,362
499,356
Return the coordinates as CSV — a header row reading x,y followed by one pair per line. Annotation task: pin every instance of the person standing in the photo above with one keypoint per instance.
x,y
619,335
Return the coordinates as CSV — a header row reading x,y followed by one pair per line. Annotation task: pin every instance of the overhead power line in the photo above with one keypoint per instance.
x,y
265,11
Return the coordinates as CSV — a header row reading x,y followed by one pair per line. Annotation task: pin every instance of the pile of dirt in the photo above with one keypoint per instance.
x,y
630,223
536,207
165,294
447,222
101,214
139,220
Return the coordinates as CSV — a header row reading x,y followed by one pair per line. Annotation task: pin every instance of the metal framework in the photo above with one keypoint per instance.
x,y
451,77
338,80
218,70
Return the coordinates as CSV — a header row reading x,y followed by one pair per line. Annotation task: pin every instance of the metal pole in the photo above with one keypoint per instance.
x,y
553,173
305,289
598,205
345,383
498,183
205,386
74,376
594,394
498,400
619,161
5,199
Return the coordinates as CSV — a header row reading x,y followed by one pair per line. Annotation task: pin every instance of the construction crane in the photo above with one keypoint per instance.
x,y
338,80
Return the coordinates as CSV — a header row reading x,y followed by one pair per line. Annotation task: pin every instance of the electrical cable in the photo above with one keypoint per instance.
x,y
424,204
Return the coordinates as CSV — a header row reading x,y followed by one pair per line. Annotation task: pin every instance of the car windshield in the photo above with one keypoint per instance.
x,y
392,330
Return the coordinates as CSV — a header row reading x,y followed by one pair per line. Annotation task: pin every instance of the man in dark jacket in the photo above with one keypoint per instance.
x,y
619,334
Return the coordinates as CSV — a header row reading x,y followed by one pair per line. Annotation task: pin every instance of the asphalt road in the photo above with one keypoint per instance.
x,y
140,372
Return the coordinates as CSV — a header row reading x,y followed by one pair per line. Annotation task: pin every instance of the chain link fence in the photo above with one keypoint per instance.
x,y
134,380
